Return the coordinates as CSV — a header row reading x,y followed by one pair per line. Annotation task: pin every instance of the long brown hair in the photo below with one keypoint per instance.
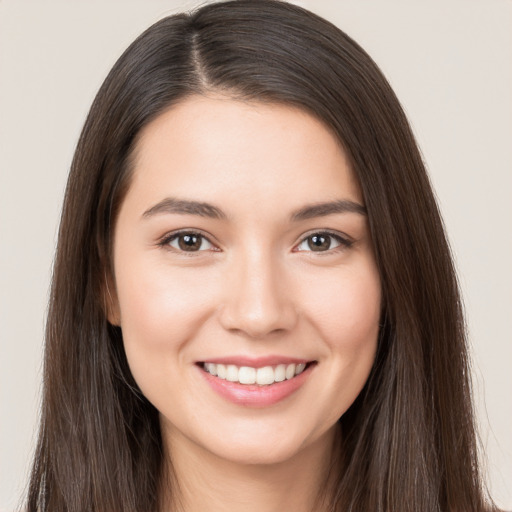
x,y
409,439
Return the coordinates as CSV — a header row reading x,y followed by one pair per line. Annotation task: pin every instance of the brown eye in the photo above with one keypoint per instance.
x,y
322,242
319,242
189,242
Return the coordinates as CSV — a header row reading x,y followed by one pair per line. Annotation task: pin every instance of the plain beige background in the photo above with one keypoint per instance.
x,y
450,63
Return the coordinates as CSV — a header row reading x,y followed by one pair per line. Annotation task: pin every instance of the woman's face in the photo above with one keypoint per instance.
x,y
242,248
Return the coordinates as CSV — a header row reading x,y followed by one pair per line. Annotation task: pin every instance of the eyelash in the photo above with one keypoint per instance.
x,y
344,243
167,239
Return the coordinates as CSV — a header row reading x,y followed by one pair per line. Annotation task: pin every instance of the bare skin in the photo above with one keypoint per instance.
x,y
243,242
299,484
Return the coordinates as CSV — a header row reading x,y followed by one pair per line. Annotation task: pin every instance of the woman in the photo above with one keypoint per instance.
x,y
254,304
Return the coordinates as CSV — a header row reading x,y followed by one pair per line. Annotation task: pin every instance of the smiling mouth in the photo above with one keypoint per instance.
x,y
264,376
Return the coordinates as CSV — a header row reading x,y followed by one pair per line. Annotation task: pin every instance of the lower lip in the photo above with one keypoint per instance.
x,y
252,395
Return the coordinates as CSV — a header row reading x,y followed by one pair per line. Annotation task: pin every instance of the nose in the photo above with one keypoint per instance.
x,y
257,299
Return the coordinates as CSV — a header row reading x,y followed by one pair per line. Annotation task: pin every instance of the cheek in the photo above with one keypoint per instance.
x,y
160,309
346,311
154,297
346,308
353,331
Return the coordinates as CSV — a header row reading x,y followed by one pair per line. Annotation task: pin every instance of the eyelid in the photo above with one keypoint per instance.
x,y
165,240
344,241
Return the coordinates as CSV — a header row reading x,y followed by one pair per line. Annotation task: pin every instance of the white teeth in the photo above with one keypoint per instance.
x,y
232,373
299,368
280,373
221,371
248,375
265,375
290,371
211,368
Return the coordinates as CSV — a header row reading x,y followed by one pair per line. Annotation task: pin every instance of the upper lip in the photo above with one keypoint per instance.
x,y
256,362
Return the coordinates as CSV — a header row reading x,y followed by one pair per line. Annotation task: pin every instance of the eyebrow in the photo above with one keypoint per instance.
x,y
185,207
328,208
202,209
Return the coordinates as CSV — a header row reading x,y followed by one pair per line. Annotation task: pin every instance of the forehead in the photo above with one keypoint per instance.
x,y
219,149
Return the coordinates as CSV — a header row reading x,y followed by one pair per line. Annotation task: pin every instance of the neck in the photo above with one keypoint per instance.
x,y
202,481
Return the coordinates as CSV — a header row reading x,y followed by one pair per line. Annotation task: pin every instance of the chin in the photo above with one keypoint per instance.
x,y
261,447
257,454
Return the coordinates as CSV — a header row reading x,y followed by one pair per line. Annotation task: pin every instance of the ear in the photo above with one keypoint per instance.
x,y
110,301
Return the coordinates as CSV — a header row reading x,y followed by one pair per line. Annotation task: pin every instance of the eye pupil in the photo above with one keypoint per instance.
x,y
319,242
189,242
